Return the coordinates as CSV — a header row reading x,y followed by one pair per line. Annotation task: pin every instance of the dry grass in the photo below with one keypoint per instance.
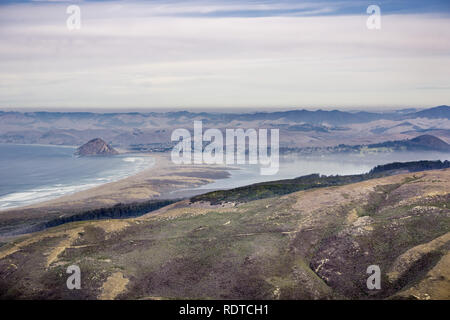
x,y
113,286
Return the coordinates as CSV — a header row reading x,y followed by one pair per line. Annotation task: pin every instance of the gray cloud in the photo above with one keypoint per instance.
x,y
147,55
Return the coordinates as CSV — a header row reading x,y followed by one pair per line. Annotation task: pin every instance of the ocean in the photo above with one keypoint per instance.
x,y
36,173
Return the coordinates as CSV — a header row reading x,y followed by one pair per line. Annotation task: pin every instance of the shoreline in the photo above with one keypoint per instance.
x,y
145,184
35,195
153,183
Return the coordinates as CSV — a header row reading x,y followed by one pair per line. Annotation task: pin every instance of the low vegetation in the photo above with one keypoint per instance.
x,y
118,211
276,188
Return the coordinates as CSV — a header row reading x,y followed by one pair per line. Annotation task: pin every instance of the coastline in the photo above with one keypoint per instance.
x,y
154,183
51,186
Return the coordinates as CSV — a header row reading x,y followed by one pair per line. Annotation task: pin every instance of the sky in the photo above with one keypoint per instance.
x,y
217,55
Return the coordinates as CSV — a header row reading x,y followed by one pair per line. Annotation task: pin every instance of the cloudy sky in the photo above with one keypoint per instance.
x,y
224,54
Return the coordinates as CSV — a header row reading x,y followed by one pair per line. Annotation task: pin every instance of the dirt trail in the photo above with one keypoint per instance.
x,y
113,286
71,237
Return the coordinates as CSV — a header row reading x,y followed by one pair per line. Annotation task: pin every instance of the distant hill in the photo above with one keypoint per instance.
x,y
300,127
430,141
303,115
423,142
441,112
96,147
334,117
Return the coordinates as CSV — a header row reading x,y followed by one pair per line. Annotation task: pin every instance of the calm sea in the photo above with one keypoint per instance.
x,y
34,173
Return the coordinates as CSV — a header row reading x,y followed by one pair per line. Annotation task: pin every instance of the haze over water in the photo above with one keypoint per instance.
x,y
295,165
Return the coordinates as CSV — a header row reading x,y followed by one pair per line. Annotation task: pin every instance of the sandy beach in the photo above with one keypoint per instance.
x,y
154,183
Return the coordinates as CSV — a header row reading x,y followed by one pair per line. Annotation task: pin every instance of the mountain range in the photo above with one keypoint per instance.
x,y
298,128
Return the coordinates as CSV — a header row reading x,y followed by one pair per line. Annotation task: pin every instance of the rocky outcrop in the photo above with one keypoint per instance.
x,y
96,147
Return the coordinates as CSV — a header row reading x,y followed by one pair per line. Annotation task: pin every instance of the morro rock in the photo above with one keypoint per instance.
x,y
96,147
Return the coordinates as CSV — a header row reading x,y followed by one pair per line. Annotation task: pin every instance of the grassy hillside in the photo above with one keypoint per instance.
x,y
313,244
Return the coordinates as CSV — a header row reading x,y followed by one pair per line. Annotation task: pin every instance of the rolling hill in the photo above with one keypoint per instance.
x,y
440,112
310,244
424,142
298,128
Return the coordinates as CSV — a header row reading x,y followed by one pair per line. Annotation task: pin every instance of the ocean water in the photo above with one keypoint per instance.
x,y
35,173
